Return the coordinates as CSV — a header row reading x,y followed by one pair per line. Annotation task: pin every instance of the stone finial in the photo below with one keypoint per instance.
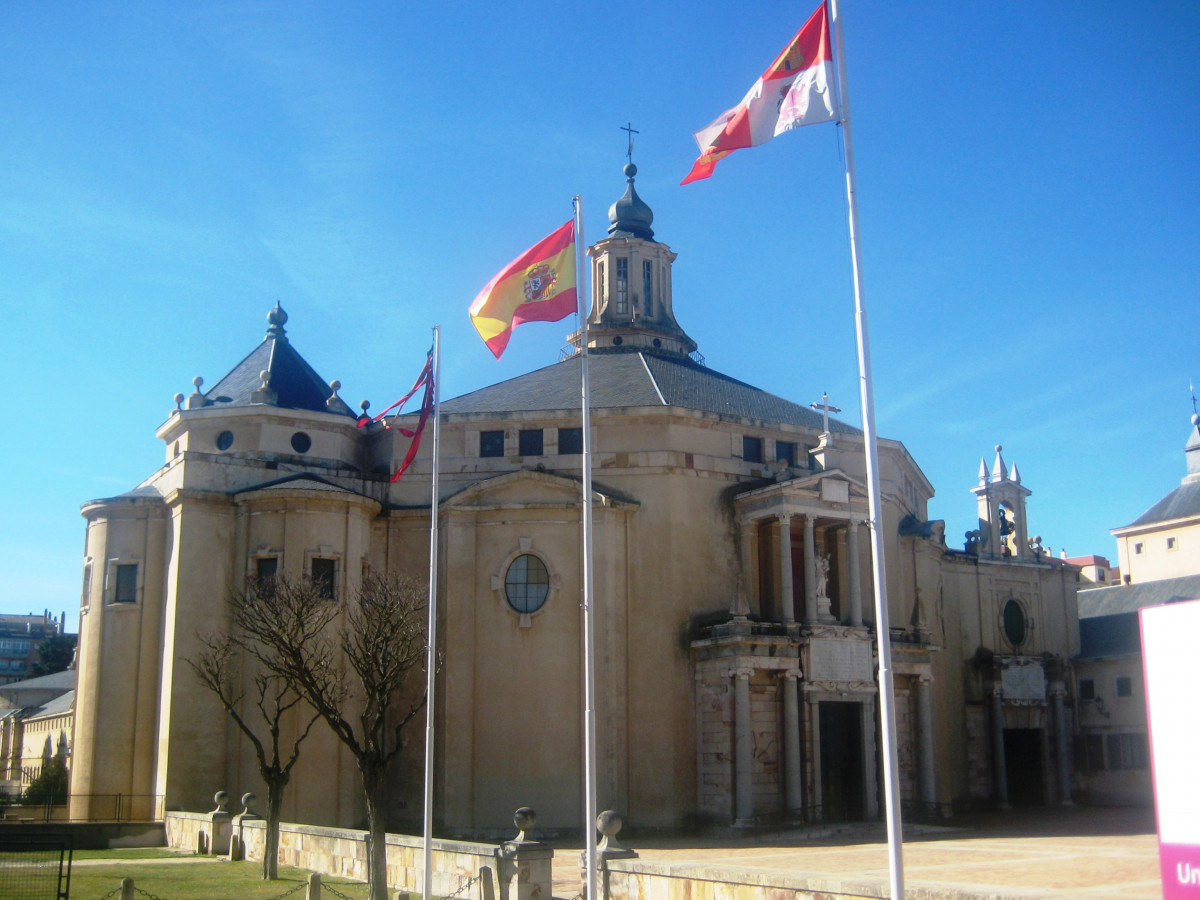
x,y
178,398
221,798
525,819
609,824
264,378
196,400
247,799
264,394
999,472
333,399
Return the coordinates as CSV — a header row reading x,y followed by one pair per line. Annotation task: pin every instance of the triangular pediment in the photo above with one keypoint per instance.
x,y
530,488
828,492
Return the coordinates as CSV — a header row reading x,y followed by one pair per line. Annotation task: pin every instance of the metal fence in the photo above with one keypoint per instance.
x,y
84,808
35,866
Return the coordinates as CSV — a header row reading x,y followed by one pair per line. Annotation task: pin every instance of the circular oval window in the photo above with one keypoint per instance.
x,y
1016,628
301,442
224,440
526,583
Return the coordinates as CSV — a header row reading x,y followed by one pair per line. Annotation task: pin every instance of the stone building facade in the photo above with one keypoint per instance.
x,y
735,630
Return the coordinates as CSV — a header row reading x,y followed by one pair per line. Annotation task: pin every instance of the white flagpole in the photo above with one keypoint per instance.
x,y
875,507
589,639
431,650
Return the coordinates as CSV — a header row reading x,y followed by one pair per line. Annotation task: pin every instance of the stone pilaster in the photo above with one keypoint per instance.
x,y
810,571
792,794
999,766
787,591
743,748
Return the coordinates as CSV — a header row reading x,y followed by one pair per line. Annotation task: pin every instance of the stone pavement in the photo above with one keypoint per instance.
x,y
1078,853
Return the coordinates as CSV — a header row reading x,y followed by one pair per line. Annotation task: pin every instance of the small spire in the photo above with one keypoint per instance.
x,y
999,472
1013,474
983,473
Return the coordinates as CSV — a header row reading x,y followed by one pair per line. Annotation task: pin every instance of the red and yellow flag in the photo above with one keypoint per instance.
x,y
793,91
537,286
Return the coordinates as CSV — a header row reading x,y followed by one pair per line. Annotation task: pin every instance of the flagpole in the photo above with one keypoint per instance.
x,y
875,509
589,638
431,649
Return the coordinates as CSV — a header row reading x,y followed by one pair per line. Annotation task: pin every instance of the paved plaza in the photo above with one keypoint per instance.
x,y
1077,853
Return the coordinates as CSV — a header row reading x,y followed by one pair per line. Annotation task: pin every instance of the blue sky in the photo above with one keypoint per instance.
x,y
1028,193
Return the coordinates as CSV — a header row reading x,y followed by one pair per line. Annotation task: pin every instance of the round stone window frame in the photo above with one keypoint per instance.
x,y
1026,622
499,582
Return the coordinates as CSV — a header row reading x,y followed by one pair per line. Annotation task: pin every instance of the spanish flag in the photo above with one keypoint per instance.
x,y
537,286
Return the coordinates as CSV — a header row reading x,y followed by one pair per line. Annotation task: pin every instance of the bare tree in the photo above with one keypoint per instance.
x,y
218,666
354,676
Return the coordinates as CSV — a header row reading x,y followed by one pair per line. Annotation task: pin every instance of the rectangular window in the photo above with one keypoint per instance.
x,y
752,449
491,443
324,573
530,442
648,287
570,441
1126,751
1087,689
86,598
1170,543
785,452
1124,686
126,590
267,568
1137,549
621,289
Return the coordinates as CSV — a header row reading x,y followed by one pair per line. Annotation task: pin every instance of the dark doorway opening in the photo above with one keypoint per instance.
x,y
841,762
1023,760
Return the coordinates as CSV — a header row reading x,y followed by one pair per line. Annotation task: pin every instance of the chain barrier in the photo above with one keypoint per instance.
x,y
334,891
138,890
301,886
111,893
464,886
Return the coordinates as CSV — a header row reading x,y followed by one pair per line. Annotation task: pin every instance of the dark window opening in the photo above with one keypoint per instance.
x,y
1124,686
1087,689
491,443
621,293
530,442
126,589
570,441
648,287
785,452
324,571
752,449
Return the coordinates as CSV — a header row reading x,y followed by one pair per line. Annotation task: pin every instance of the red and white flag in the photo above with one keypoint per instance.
x,y
795,90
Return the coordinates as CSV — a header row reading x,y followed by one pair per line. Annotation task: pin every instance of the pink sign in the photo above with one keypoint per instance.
x,y
1170,639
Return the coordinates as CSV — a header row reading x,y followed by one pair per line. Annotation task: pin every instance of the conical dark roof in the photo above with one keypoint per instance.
x,y
292,382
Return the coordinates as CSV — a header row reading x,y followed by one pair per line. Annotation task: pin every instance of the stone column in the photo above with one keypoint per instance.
x,y
743,749
814,748
793,797
999,767
854,564
747,586
787,594
810,570
1057,690
926,773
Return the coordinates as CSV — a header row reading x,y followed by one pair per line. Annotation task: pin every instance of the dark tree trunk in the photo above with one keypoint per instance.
x,y
275,786
375,791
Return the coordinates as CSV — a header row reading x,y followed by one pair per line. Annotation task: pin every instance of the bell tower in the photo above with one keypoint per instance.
x,y
632,308
1000,497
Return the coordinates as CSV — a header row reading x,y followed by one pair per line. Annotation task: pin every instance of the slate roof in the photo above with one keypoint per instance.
x,y
56,707
64,680
1127,598
1181,503
638,379
1105,636
296,383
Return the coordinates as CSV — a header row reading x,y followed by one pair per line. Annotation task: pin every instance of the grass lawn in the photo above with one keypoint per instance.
x,y
193,878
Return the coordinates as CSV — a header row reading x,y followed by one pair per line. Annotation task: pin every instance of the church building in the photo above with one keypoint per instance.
x,y
735,637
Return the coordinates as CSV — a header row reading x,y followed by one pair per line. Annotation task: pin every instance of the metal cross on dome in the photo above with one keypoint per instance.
x,y
628,127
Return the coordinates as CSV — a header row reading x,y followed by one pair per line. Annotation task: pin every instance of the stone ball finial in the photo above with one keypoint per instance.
x,y
999,448
277,316
609,823
178,398
247,799
220,798
336,386
265,377
630,170
197,381
525,819
364,406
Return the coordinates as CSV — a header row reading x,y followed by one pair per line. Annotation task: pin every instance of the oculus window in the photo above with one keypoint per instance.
x,y
1016,626
526,584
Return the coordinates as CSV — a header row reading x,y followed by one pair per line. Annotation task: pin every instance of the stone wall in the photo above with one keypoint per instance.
x,y
343,852
637,879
